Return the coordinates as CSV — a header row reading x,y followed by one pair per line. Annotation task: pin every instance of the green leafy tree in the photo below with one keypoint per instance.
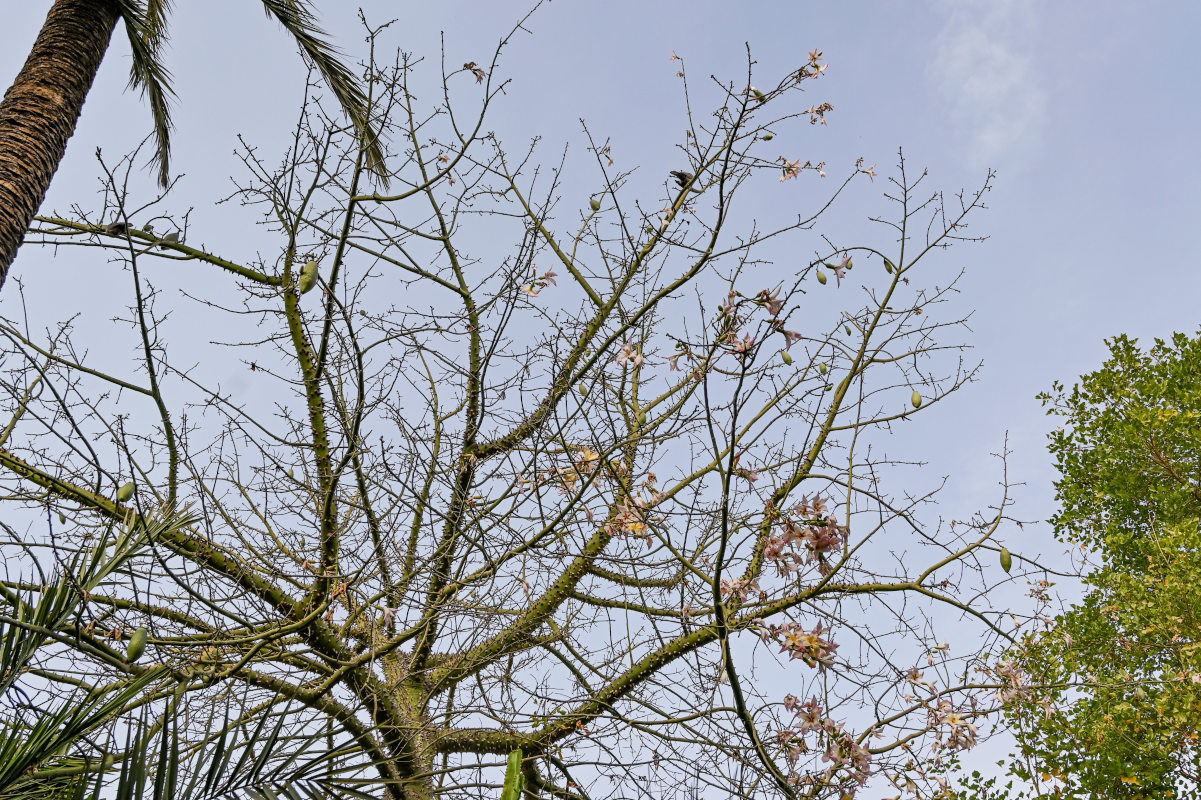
x,y
1107,699
39,111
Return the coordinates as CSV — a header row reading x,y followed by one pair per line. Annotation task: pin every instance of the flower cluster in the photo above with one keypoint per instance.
x,y
548,279
629,520
632,516
809,646
840,749
814,68
740,588
1017,685
793,169
631,355
961,734
808,536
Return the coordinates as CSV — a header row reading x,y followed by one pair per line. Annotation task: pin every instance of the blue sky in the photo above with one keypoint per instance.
x,y
1087,111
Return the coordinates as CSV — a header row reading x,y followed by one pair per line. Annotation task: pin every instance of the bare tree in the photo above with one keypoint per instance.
x,y
581,496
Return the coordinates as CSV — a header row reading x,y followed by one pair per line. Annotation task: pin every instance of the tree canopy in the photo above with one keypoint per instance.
x,y
521,458
1114,682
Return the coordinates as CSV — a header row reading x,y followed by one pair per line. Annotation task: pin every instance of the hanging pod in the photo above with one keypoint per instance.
x,y
308,276
594,204
1006,560
821,277
125,492
916,399
137,645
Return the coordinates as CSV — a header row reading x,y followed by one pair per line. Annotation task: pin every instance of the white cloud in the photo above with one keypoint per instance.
x,y
984,68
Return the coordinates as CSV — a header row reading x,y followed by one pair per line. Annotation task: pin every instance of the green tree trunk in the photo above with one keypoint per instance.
x,y
39,111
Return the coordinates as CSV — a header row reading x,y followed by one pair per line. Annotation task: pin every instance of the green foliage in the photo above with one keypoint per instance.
x,y
1116,680
146,26
48,757
514,780
70,749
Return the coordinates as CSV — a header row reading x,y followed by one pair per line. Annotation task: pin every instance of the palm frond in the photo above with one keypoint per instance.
x,y
157,12
145,25
41,745
255,761
300,22
27,622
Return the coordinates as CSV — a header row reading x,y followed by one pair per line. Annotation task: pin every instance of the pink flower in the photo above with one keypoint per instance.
x,y
809,714
727,308
772,302
742,347
747,474
840,269
809,647
630,355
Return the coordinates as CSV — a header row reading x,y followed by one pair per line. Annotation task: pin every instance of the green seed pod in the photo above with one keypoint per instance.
x,y
767,137
916,399
785,357
1006,560
594,204
641,418
583,390
137,645
821,277
292,474
125,492
308,276
847,328
62,518
822,368
888,265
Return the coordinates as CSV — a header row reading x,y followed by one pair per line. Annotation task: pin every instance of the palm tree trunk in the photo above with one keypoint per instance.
x,y
39,111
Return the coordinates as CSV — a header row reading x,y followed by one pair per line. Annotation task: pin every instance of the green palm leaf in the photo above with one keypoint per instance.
x,y
41,760
146,27
300,22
